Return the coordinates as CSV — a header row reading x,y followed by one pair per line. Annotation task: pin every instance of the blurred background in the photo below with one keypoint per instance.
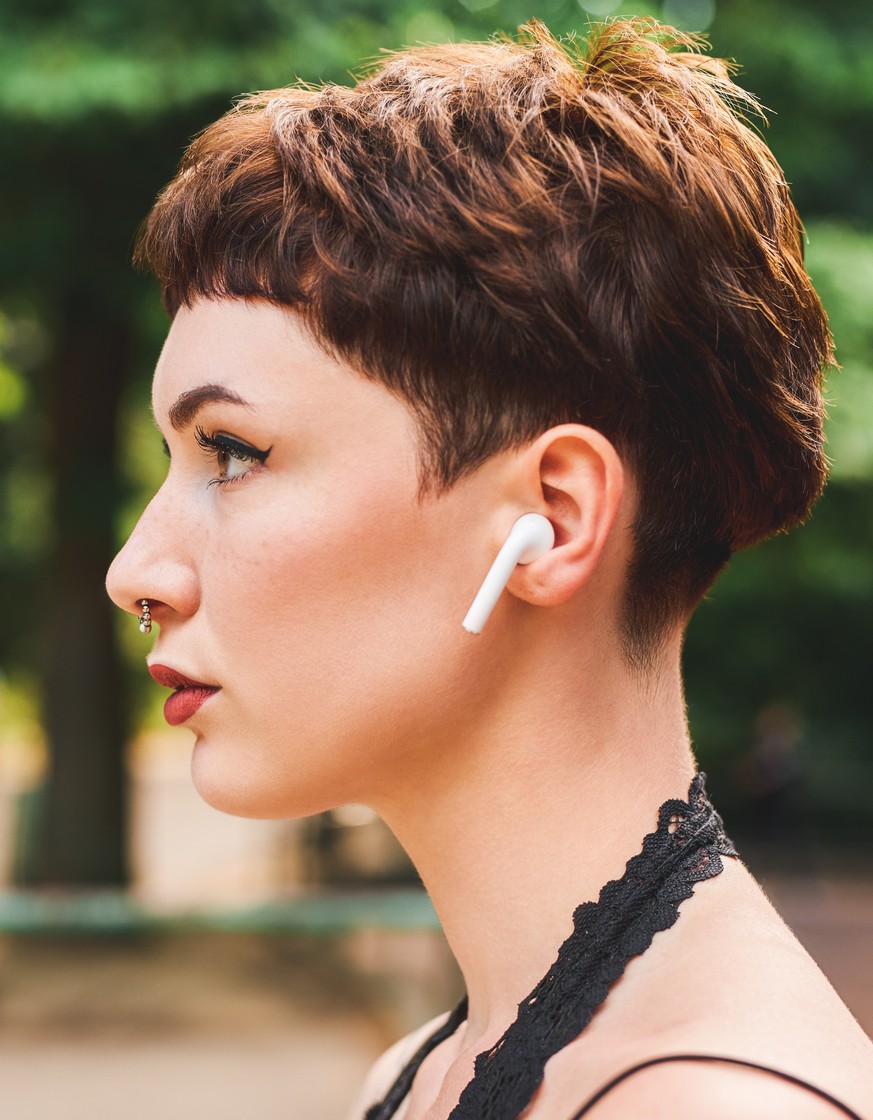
x,y
157,957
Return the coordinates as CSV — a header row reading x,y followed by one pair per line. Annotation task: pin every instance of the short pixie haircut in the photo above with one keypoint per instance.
x,y
521,233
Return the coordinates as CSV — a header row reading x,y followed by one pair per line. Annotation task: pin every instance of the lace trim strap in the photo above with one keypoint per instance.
x,y
384,1109
685,849
610,1085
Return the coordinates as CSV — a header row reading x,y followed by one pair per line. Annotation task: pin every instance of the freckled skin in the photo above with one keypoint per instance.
x,y
317,589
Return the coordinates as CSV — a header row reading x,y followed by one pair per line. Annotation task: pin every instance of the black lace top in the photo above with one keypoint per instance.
x,y
685,848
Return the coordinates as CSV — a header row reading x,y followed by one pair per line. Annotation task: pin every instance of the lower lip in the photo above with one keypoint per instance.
x,y
184,702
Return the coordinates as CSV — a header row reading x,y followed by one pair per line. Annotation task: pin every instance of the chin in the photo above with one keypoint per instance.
x,y
226,783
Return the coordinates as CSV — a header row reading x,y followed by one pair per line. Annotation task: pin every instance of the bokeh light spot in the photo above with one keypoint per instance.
x,y
478,5
13,392
599,7
429,27
689,15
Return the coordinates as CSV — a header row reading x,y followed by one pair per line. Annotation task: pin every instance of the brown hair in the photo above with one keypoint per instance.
x,y
516,234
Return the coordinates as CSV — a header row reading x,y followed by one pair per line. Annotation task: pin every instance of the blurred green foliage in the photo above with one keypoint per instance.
x,y
98,99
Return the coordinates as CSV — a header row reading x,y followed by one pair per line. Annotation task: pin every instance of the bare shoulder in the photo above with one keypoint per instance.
x,y
386,1069
729,980
689,1090
761,995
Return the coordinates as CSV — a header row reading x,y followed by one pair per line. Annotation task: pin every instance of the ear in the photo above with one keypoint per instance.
x,y
574,476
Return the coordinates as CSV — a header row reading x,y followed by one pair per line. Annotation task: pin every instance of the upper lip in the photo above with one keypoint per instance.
x,y
172,678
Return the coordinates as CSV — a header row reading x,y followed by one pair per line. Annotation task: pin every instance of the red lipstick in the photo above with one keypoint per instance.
x,y
188,694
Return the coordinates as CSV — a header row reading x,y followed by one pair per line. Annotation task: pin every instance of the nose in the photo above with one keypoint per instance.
x,y
156,563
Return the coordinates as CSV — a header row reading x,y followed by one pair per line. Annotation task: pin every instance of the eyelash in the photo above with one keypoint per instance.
x,y
217,444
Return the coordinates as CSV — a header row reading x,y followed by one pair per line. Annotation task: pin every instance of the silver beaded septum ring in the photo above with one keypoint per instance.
x,y
145,619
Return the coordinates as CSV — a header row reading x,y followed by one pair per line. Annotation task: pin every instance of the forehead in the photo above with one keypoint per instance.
x,y
236,343
262,360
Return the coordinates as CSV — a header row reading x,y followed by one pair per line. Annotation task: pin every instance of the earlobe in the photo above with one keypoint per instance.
x,y
579,480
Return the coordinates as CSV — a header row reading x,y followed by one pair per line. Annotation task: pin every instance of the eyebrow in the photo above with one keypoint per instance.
x,y
189,403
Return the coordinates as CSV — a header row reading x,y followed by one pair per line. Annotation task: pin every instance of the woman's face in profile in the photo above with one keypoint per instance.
x,y
289,562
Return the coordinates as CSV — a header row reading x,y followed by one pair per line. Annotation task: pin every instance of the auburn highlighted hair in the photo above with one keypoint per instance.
x,y
521,233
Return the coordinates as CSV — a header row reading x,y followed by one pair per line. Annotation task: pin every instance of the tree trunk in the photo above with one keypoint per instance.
x,y
81,831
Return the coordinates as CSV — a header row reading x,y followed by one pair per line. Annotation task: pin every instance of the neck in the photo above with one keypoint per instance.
x,y
531,810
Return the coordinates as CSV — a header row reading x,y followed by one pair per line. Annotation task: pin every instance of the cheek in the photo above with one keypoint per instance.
x,y
338,627
346,586
319,558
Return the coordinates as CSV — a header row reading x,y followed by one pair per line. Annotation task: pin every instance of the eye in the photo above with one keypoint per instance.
x,y
233,458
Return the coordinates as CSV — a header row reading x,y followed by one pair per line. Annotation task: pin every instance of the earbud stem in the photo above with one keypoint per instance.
x,y
530,537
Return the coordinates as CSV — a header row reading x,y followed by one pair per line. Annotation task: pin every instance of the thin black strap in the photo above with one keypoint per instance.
x,y
389,1104
601,1093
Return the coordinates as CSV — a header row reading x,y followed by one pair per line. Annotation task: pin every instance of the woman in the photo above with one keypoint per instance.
x,y
490,281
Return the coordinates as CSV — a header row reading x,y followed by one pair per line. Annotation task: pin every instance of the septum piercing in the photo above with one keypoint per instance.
x,y
145,620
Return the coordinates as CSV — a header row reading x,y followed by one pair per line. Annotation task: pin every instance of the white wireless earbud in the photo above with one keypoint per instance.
x,y
530,537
